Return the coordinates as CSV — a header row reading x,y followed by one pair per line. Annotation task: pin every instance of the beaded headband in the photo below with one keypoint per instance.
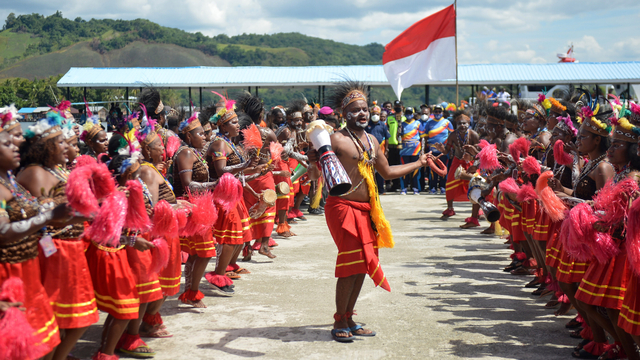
x,y
190,123
227,113
353,96
591,123
46,128
624,130
634,117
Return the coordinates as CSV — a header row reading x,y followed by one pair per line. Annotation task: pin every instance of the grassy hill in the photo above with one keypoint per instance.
x,y
35,46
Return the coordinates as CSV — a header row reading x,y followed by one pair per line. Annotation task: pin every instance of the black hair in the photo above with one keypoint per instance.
x,y
275,111
342,89
499,112
34,151
116,163
175,118
332,119
114,144
459,113
387,102
634,159
150,98
296,105
250,105
571,109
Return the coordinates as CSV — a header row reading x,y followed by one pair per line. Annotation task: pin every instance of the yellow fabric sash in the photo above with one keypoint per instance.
x,y
385,238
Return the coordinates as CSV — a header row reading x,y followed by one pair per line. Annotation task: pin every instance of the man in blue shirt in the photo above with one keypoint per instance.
x,y
381,132
411,150
436,131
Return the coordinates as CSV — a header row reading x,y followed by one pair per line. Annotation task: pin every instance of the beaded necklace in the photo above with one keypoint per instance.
x,y
231,145
59,172
462,141
621,174
21,195
200,158
146,192
361,148
587,170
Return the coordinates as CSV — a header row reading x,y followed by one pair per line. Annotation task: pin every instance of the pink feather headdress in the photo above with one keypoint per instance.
x,y
566,124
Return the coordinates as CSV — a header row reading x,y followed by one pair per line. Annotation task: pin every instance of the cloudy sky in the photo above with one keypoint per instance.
x,y
490,31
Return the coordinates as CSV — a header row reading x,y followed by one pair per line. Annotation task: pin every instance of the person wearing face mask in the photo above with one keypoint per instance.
x,y
423,117
380,131
394,119
411,150
436,131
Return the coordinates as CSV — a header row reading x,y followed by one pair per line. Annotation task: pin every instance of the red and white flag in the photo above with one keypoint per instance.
x,y
422,53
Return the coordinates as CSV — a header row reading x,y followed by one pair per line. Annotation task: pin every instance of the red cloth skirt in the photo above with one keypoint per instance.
x,y
510,219
605,284
552,257
147,283
528,217
457,189
170,276
67,281
569,270
233,227
350,227
113,281
542,230
506,212
629,319
284,202
36,302
199,245
262,226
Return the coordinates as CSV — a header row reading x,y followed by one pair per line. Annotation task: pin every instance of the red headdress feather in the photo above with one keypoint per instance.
x,y
489,157
226,192
252,138
531,166
159,256
509,185
561,157
275,148
165,223
137,217
526,193
83,160
173,144
228,103
551,203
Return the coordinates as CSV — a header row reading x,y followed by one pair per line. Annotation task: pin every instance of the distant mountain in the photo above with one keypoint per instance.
x,y
35,46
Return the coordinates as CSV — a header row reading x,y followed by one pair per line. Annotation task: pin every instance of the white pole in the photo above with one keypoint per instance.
x,y
455,8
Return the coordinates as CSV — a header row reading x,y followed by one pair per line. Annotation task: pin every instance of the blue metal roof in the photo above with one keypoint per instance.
x,y
26,110
309,76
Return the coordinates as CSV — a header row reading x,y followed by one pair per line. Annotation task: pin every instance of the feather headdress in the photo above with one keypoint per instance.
x,y
226,113
146,134
10,118
91,128
189,124
46,128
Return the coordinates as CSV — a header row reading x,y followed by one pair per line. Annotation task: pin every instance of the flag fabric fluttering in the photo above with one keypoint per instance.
x,y
422,53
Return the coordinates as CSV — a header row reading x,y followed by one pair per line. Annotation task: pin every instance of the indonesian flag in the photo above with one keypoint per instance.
x,y
422,53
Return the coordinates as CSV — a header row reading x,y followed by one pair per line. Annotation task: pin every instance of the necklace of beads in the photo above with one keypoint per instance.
x,y
463,140
59,172
621,174
200,158
146,192
587,170
232,146
19,193
362,149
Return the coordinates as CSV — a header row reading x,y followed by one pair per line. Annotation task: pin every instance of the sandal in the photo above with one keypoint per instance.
x,y
335,332
546,292
520,270
576,334
552,304
514,264
533,283
358,327
232,275
131,345
267,254
581,344
241,271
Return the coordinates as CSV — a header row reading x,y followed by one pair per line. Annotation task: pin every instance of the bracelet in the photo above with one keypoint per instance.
x,y
185,170
132,240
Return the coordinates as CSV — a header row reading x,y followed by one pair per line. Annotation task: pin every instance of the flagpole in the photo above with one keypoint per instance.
x,y
455,8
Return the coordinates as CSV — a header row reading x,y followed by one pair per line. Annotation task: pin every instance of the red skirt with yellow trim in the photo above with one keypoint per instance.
x,y
350,227
170,276
262,226
113,281
203,246
67,281
552,256
528,216
457,189
284,202
629,318
233,227
605,284
36,302
147,283
506,212
569,270
542,230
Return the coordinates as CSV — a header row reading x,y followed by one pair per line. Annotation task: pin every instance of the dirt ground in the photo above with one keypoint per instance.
x,y
449,299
